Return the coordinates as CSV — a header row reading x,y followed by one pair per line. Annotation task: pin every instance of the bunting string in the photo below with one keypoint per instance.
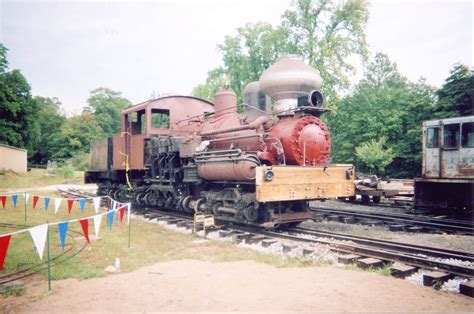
x,y
39,233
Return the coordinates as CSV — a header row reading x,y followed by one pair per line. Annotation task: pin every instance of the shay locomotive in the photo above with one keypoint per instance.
x,y
259,167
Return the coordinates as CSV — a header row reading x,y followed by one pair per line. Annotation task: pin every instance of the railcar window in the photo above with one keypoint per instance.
x,y
160,119
451,135
432,139
467,137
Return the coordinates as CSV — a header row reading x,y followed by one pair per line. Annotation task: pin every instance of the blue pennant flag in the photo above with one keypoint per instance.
x,y
14,199
46,203
62,226
82,203
110,218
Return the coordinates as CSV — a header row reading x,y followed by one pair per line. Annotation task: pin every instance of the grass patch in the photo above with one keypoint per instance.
x,y
37,178
150,244
384,271
13,291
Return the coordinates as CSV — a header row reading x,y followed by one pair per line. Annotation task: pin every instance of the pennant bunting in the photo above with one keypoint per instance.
x,y
27,197
82,203
96,201
110,219
57,203
108,203
112,204
35,200
4,243
85,228
14,199
129,210
97,222
46,203
62,227
69,205
38,234
3,198
121,212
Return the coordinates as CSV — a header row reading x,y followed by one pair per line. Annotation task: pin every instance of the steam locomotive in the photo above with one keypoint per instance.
x,y
261,166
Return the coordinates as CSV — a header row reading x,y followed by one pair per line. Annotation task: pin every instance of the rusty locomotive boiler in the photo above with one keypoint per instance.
x,y
261,166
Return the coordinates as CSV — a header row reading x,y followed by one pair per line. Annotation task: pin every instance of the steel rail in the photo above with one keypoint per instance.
x,y
457,226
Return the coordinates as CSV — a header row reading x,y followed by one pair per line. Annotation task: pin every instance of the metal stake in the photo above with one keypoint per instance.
x,y
49,262
24,197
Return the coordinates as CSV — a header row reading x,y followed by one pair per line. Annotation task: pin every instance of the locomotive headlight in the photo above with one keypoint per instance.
x,y
315,98
268,174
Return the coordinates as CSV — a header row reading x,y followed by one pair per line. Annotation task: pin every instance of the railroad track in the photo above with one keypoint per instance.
x,y
454,263
450,261
397,222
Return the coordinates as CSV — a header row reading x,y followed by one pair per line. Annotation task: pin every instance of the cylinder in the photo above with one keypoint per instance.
x,y
241,170
225,101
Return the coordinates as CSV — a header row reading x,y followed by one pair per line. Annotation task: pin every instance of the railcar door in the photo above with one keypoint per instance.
x,y
451,151
431,151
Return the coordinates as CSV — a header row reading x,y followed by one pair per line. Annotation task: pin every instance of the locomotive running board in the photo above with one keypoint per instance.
x,y
292,183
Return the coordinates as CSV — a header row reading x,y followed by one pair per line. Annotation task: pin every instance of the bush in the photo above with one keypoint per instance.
x,y
81,161
66,171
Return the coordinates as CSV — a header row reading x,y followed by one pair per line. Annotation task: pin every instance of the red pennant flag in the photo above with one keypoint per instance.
x,y
69,205
121,211
108,204
35,200
4,242
85,228
4,199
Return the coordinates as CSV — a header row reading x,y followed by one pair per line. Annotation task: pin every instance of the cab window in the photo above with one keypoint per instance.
x,y
432,139
451,135
467,137
136,122
160,119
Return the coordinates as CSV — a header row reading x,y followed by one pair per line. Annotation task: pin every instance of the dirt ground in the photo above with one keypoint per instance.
x,y
190,285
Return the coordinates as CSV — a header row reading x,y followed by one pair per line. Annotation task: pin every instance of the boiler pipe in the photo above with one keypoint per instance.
x,y
254,125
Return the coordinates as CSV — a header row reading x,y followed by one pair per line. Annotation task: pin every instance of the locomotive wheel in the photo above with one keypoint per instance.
x,y
117,195
251,213
150,199
139,198
376,199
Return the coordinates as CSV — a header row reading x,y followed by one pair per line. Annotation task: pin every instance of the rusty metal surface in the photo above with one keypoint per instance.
x,y
99,155
306,140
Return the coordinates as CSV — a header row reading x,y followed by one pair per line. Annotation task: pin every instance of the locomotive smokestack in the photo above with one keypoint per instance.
x,y
289,79
225,101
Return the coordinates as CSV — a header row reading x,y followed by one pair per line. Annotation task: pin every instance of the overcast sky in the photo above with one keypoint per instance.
x,y
66,49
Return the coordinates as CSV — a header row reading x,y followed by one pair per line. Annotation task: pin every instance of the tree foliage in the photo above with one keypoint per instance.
x,y
106,106
18,126
375,155
384,104
76,135
456,96
326,33
50,121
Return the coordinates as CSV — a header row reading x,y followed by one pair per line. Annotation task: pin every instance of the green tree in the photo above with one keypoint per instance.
x,y
384,104
106,106
326,33
18,126
374,154
76,135
50,121
455,97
